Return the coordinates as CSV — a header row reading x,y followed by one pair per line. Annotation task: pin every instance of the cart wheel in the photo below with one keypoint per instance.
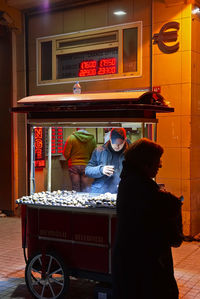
x,y
49,280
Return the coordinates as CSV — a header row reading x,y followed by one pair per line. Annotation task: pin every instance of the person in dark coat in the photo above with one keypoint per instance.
x,y
142,264
105,165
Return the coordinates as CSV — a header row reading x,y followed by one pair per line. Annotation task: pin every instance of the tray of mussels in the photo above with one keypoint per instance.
x,y
72,199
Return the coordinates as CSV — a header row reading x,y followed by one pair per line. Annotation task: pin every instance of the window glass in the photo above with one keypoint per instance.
x,y
97,54
59,176
130,50
46,60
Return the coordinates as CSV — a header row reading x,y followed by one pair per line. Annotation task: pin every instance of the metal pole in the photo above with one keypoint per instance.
x,y
109,244
32,174
49,160
151,47
155,132
143,130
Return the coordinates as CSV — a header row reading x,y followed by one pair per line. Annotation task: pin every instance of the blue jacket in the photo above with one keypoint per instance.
x,y
102,156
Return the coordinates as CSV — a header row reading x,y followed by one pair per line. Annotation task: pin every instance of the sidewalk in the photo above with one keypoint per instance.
x,y
12,284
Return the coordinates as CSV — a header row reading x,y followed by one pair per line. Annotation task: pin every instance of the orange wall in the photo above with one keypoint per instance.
x,y
173,73
195,125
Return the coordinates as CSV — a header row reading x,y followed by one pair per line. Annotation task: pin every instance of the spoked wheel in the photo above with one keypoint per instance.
x,y
46,277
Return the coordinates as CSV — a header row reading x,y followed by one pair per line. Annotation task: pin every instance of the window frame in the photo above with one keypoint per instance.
x,y
80,35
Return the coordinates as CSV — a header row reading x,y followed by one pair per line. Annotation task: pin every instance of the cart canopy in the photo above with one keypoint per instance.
x,y
136,104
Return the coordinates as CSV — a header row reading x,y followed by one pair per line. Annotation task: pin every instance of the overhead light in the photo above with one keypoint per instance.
x,y
119,13
196,10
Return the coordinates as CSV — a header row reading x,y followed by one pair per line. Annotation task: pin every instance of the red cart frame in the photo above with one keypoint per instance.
x,y
79,239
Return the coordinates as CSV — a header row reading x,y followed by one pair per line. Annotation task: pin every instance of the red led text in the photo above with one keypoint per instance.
x,y
102,67
39,147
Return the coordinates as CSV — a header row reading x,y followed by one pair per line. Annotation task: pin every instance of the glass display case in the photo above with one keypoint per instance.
x,y
48,167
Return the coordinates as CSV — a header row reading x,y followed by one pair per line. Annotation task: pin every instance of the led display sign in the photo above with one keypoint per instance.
x,y
98,67
85,64
57,140
39,147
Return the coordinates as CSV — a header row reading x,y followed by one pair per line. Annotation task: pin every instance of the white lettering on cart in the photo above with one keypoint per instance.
x,y
88,238
52,233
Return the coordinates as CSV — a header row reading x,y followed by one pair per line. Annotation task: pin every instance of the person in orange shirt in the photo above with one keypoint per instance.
x,y
77,151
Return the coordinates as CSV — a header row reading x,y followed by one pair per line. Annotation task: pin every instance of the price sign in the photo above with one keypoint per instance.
x,y
85,64
98,67
39,147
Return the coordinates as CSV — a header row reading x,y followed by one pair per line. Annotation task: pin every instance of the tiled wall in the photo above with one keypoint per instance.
x,y
173,73
195,126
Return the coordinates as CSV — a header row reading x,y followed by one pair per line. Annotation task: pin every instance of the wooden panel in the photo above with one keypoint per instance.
x,y
5,120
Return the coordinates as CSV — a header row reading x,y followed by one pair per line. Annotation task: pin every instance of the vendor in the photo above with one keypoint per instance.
x,y
105,164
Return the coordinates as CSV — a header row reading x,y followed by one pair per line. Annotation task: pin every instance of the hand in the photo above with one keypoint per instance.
x,y
108,170
162,187
181,198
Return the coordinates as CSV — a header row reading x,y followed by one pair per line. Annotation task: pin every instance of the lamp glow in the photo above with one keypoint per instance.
x,y
119,13
196,10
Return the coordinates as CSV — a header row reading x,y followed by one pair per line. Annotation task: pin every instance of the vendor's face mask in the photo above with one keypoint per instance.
x,y
118,144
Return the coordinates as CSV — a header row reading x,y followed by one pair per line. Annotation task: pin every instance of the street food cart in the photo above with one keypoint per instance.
x,y
68,233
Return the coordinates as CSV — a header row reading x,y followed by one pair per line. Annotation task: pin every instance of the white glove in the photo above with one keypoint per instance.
x,y
108,170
